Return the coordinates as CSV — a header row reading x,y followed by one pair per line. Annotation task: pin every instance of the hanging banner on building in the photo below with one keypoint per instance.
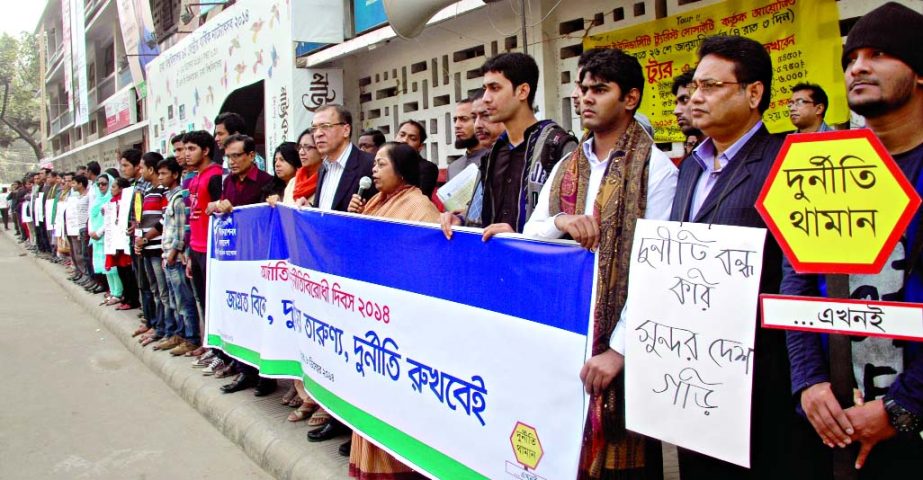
x,y
801,36
141,47
120,112
67,23
79,63
691,289
445,362
247,43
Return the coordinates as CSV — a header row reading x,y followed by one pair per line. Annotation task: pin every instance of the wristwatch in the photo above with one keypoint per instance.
x,y
901,419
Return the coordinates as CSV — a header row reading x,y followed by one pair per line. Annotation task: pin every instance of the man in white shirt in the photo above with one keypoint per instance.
x,y
595,195
344,164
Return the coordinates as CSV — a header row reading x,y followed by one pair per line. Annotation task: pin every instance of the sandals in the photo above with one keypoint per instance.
x,y
113,301
319,418
295,402
289,395
303,412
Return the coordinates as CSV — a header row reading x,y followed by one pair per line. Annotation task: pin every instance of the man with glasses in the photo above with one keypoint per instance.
x,y
246,185
338,179
718,185
808,107
344,164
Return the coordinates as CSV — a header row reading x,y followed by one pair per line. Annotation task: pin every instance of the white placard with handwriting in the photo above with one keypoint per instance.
x,y
692,303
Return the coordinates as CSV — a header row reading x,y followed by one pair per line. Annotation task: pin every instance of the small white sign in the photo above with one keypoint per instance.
x,y
903,321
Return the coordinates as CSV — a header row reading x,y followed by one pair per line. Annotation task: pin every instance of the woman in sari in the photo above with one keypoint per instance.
x,y
396,174
296,164
305,183
97,230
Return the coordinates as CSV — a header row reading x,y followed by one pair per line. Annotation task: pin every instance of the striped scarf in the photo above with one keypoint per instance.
x,y
622,199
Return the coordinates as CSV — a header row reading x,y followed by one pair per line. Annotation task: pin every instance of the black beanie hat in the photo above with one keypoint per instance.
x,y
892,28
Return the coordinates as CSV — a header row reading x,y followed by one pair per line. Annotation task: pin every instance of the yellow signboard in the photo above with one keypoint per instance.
x,y
801,36
526,445
837,202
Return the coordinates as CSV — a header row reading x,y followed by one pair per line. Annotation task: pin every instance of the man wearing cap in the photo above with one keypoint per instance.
x,y
881,426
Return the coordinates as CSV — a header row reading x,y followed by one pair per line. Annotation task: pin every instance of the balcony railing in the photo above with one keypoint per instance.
x,y
105,88
55,58
63,121
91,8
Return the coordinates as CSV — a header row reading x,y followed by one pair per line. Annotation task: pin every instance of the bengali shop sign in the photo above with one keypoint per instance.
x,y
441,353
801,36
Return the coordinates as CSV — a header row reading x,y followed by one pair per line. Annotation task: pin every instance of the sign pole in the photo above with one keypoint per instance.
x,y
841,381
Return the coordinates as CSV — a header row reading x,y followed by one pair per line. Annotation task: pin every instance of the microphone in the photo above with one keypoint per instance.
x,y
365,183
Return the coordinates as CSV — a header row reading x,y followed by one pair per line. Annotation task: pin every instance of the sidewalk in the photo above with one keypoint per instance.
x,y
257,425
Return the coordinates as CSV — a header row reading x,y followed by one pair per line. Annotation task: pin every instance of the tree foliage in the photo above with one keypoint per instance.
x,y
19,68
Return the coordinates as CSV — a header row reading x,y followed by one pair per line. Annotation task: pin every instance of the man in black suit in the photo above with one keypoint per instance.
x,y
719,185
344,164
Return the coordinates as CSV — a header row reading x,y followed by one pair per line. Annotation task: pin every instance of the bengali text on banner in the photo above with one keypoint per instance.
x,y
801,36
459,357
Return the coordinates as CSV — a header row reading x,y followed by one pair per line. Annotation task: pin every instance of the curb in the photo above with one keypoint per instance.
x,y
257,425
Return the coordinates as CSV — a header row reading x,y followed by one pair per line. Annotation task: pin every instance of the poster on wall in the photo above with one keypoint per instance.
x,y
802,37
250,42
66,25
314,88
79,63
140,42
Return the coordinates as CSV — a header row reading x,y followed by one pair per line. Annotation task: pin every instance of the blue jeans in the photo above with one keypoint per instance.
x,y
145,295
183,302
166,324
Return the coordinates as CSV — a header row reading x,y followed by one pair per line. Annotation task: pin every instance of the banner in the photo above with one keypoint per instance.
x,y
460,357
141,47
248,43
79,62
120,111
692,302
801,36
66,34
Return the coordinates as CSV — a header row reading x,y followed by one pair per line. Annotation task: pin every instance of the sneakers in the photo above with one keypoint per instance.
x,y
183,348
169,343
216,364
204,360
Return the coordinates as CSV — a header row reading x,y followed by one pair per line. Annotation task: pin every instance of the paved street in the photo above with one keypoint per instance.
x,y
76,404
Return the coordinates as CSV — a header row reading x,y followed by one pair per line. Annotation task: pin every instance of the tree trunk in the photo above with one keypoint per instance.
x,y
28,139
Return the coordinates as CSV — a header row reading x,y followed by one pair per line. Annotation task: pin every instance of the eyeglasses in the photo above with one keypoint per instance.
x,y
306,148
236,156
708,86
103,184
325,126
799,102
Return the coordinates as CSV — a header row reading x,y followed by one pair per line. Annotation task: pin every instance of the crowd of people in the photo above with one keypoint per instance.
x,y
539,180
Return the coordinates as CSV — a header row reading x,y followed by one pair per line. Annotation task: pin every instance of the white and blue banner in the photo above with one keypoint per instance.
x,y
460,357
